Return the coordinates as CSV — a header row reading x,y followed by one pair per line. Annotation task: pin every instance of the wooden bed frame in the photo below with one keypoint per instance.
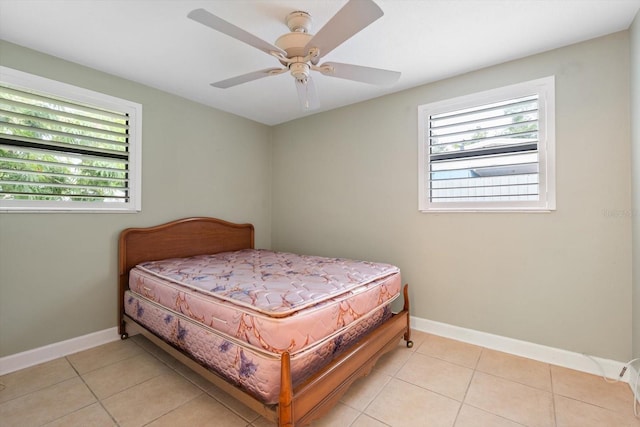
x,y
297,406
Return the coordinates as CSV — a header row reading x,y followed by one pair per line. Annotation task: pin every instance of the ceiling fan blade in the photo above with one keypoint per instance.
x,y
374,76
206,18
352,18
255,75
307,94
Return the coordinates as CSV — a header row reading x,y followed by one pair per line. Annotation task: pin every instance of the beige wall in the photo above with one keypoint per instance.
x,y
58,271
345,184
635,141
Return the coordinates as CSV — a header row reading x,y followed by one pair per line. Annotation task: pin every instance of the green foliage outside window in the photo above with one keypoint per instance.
x,y
52,151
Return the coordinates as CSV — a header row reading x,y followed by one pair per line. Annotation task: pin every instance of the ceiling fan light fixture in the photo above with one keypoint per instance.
x,y
300,71
307,94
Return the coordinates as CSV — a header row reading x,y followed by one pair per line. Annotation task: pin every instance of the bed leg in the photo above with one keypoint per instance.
x,y
285,401
123,331
407,335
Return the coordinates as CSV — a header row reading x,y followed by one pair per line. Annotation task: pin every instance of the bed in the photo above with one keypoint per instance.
x,y
173,289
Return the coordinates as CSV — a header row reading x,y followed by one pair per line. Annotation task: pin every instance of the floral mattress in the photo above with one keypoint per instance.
x,y
236,312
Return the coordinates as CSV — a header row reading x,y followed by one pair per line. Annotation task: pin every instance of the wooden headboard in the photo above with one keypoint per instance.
x,y
180,238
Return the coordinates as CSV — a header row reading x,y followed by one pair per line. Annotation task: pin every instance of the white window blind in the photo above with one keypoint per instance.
x,y
60,153
488,151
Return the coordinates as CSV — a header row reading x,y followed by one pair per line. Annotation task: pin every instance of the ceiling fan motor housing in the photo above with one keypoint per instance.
x,y
299,21
294,43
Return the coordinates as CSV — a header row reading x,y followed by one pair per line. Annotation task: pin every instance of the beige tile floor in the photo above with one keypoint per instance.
x,y
438,382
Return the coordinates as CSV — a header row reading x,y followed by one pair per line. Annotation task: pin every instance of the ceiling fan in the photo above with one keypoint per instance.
x,y
299,52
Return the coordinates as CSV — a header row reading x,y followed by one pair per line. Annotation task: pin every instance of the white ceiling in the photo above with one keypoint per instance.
x,y
153,42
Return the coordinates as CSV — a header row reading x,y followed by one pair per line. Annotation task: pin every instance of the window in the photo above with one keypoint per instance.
x,y
64,148
489,151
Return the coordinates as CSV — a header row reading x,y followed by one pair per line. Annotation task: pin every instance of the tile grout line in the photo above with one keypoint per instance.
x,y
175,409
466,392
99,401
174,370
392,376
3,386
553,397
363,411
495,375
201,388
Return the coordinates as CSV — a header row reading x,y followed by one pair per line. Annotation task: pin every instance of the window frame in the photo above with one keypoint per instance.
x,y
545,89
31,82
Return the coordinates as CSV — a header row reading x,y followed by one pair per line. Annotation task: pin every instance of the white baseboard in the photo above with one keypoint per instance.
x,y
634,381
555,356
49,352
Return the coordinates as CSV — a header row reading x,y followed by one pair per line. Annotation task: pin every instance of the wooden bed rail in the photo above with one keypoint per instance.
x,y
318,394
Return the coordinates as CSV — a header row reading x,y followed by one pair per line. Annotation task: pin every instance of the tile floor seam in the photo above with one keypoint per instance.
x,y
373,398
363,411
495,415
174,409
201,388
442,359
258,416
455,419
124,389
354,408
53,385
220,401
390,377
464,397
98,400
466,391
171,369
518,382
36,390
429,390
550,393
132,386
370,416
192,381
554,410
402,365
144,382
356,418
514,381
553,398
595,405
183,375
475,366
100,367
73,412
40,388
